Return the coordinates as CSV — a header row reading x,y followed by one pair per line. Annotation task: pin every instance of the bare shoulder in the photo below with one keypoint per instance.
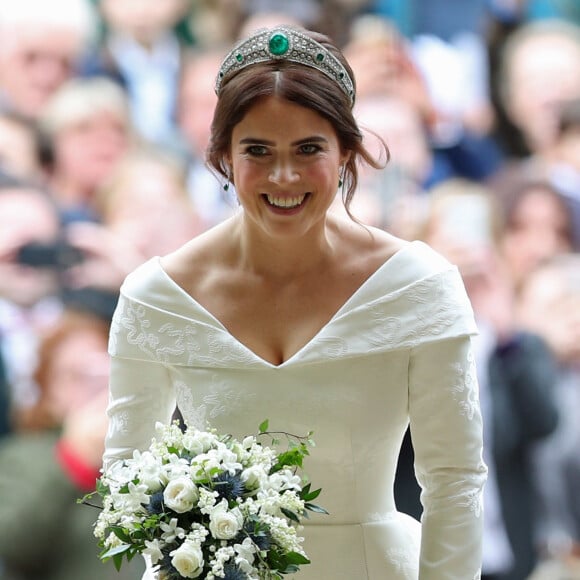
x,y
368,246
202,257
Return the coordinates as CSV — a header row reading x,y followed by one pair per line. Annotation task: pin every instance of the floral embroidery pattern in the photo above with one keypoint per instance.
x,y
401,319
465,390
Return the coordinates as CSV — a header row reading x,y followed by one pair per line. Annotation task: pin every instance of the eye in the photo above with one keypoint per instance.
x,y
309,148
256,150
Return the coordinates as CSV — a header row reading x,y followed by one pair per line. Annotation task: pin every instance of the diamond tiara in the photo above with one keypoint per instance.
x,y
283,43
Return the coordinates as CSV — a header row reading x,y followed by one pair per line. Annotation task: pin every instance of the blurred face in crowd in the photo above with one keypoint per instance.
x,y
34,63
549,305
197,101
149,207
538,229
87,150
25,216
143,20
544,72
78,371
399,124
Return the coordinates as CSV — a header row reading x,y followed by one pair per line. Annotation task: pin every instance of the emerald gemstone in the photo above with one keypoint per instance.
x,y
279,44
319,57
239,57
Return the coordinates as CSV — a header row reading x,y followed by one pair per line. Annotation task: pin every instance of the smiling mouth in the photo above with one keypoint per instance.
x,y
285,202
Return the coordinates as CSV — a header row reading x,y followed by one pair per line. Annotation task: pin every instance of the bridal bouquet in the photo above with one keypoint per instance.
x,y
204,505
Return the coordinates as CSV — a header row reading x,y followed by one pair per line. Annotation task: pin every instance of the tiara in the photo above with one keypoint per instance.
x,y
285,44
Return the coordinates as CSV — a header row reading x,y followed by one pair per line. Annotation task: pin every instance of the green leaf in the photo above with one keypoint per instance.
x,y
289,458
308,495
264,426
296,559
290,515
102,488
315,508
121,533
111,552
118,561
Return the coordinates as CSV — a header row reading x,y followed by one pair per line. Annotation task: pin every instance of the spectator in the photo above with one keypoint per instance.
x,y
146,203
215,23
540,69
54,458
89,127
394,197
197,100
386,63
145,212
40,45
549,305
29,295
538,224
142,49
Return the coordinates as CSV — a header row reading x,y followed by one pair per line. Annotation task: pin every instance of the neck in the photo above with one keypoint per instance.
x,y
284,257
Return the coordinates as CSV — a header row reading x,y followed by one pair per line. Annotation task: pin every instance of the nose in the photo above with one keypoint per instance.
x,y
283,171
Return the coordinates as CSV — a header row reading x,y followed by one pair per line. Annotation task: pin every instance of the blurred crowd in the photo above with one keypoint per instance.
x,y
105,111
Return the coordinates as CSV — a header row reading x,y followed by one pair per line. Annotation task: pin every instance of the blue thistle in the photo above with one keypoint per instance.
x,y
156,505
259,533
232,572
168,570
229,486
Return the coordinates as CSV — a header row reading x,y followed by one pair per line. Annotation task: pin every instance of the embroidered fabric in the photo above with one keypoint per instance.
x,y
398,351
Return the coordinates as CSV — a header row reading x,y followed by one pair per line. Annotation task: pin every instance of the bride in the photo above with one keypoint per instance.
x,y
293,311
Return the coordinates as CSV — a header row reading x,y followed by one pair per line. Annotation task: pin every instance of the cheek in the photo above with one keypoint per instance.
x,y
321,176
249,176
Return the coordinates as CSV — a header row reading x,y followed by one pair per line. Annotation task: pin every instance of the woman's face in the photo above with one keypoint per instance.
x,y
538,230
78,372
87,151
285,161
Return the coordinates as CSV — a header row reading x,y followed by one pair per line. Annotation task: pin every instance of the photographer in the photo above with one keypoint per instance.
x,y
29,296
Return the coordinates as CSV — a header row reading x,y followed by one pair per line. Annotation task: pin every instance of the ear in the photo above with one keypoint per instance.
x,y
345,157
227,165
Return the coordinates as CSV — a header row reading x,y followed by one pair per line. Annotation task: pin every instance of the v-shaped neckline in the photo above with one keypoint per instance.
x,y
339,312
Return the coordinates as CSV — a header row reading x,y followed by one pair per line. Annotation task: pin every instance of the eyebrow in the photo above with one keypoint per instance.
x,y
257,141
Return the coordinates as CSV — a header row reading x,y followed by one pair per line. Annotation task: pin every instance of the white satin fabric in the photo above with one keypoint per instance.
x,y
398,350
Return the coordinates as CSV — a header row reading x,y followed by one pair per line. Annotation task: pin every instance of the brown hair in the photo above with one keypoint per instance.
x,y
299,84
38,416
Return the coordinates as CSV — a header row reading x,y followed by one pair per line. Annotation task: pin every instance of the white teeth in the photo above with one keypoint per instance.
x,y
285,202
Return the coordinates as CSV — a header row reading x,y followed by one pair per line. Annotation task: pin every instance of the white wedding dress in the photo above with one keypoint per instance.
x,y
399,349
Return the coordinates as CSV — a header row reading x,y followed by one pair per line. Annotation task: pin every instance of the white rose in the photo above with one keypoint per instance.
x,y
224,524
199,442
181,494
188,559
254,476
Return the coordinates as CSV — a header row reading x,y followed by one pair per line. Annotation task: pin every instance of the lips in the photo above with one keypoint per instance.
x,y
285,201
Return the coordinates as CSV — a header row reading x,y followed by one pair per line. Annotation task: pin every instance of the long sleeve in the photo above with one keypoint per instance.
x,y
140,390
140,395
446,429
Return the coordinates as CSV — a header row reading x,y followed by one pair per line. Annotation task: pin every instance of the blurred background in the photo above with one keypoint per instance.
x,y
105,111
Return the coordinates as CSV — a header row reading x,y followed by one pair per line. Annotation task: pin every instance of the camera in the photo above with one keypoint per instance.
x,y
57,255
